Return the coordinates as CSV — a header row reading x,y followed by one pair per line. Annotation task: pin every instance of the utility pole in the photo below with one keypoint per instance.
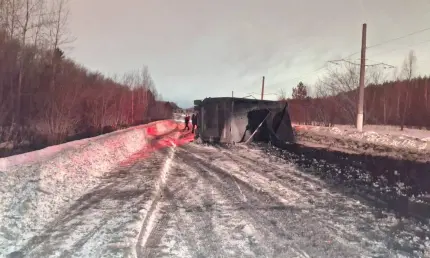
x,y
232,94
132,106
262,89
360,105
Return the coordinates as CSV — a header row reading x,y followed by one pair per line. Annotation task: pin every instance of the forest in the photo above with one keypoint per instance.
x,y
47,98
403,100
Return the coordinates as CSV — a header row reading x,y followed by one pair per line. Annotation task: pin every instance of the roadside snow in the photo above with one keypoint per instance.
x,y
50,152
265,204
413,139
179,117
36,186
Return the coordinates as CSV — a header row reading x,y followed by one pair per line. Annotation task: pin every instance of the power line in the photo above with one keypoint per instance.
x,y
391,40
358,52
336,62
371,46
300,77
376,45
401,37
324,66
265,94
333,62
303,75
396,49
314,71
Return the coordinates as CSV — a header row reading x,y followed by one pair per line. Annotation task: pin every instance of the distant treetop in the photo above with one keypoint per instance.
x,y
300,91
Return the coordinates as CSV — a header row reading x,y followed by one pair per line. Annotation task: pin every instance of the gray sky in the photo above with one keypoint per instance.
x,y
201,48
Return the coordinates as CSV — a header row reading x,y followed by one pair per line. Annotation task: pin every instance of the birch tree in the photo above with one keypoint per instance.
x,y
408,72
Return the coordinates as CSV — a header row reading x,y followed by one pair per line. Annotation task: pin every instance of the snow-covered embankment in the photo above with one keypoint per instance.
x,y
35,187
410,139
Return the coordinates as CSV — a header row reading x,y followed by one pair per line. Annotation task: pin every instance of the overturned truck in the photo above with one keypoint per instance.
x,y
234,120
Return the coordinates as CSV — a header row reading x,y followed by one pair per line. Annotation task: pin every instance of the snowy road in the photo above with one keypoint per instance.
x,y
206,201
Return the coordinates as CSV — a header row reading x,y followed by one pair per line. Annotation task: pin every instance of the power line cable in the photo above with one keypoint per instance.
x,y
391,40
371,46
401,48
303,75
401,37
368,65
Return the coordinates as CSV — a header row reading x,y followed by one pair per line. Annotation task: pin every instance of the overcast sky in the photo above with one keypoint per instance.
x,y
201,48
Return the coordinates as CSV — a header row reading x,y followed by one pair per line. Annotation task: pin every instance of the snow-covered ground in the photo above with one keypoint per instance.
x,y
38,187
247,202
196,200
206,201
386,135
374,139
179,117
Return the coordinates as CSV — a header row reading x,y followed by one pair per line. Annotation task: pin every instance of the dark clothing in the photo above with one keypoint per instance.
x,y
187,121
193,122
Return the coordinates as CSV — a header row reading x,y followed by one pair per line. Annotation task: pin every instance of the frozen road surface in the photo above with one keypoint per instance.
x,y
196,200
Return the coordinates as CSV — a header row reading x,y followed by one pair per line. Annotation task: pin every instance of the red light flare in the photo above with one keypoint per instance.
x,y
177,138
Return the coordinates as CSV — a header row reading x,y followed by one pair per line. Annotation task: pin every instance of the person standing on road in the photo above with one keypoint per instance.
x,y
193,122
187,120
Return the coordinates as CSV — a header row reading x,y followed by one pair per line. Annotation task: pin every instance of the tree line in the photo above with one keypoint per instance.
x,y
47,98
402,101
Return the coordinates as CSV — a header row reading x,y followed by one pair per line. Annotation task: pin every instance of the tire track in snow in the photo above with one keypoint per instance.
x,y
149,220
245,166
92,217
257,183
324,238
265,235
188,228
171,221
335,200
206,216
319,200
278,174
218,223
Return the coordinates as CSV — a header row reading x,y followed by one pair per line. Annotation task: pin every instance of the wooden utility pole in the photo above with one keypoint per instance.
x,y
132,106
262,89
360,105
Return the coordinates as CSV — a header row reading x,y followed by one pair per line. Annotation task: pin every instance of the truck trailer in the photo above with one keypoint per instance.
x,y
235,120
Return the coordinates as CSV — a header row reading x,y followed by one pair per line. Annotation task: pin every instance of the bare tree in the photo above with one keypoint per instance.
x,y
282,94
143,93
29,9
408,70
3,14
10,15
322,104
40,24
58,32
409,66
342,81
53,97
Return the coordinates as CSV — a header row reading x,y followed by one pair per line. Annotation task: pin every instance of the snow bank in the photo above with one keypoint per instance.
x,y
51,151
179,117
407,139
36,186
